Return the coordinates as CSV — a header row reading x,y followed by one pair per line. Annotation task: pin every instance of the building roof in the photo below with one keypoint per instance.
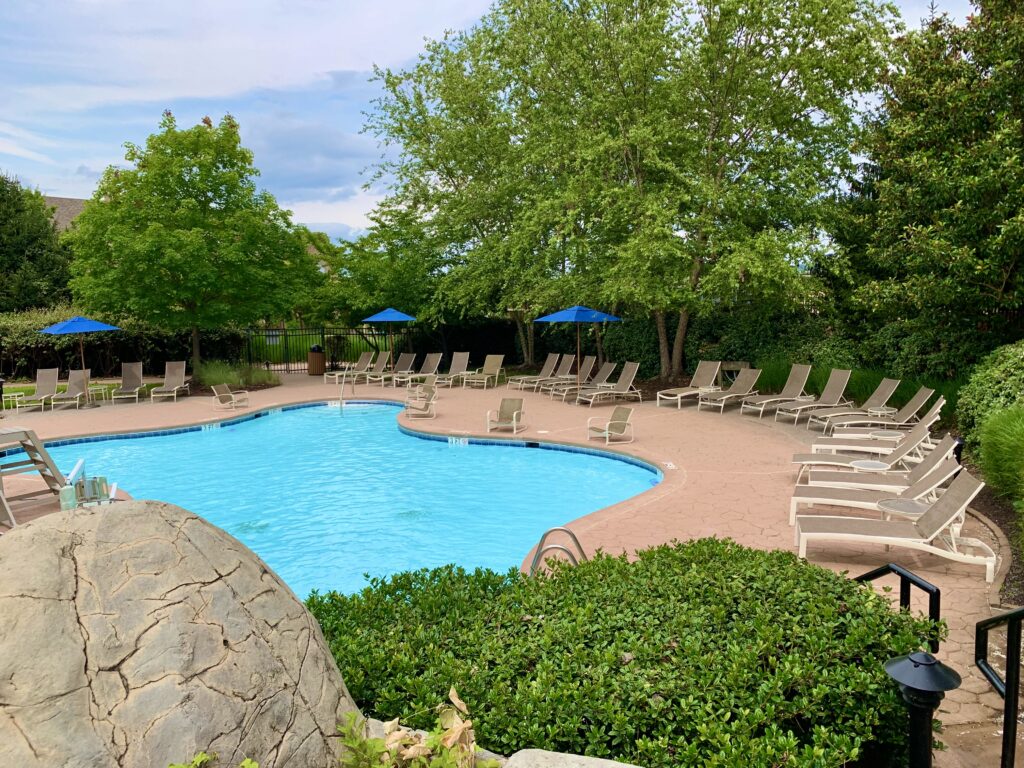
x,y
65,209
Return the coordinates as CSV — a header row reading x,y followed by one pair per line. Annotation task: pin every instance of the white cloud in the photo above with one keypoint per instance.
x,y
352,211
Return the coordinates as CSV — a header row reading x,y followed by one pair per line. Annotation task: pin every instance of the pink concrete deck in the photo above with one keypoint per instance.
x,y
725,475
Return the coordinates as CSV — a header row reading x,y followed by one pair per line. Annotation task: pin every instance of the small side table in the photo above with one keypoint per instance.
x,y
97,389
911,508
869,465
708,390
888,434
805,398
12,400
882,410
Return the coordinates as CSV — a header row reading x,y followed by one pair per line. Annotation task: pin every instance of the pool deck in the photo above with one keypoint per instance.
x,y
724,475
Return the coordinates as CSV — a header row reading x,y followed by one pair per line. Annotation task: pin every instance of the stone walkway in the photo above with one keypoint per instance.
x,y
725,475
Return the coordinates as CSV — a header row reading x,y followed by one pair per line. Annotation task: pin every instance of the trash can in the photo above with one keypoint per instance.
x,y
317,361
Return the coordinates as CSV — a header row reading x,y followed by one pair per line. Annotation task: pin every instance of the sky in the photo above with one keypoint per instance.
x,y
78,78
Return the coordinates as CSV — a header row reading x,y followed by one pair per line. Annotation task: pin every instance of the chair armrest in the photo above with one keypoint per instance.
x,y
592,419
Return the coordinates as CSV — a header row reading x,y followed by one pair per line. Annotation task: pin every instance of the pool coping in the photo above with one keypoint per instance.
x,y
470,439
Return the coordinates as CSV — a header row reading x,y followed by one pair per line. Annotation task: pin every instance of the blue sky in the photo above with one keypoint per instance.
x,y
78,78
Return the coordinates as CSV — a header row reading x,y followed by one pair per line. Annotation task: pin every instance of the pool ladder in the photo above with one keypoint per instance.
x,y
576,555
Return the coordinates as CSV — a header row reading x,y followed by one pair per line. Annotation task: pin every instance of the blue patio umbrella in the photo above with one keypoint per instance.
x,y
81,326
389,316
577,315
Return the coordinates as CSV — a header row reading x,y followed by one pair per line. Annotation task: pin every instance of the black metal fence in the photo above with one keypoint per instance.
x,y
287,349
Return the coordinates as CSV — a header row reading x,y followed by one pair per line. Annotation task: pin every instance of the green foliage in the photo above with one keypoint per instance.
x,y
996,383
33,264
1002,452
704,653
204,760
636,340
219,372
183,240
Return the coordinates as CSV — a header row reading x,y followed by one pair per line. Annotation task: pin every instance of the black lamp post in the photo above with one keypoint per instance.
x,y
923,681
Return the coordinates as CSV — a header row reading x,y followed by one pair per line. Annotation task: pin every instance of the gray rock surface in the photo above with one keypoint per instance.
x,y
539,758
137,634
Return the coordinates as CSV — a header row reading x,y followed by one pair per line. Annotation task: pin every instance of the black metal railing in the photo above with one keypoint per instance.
x,y
1009,688
907,580
287,349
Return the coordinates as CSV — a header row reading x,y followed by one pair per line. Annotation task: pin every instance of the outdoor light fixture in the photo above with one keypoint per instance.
x,y
923,681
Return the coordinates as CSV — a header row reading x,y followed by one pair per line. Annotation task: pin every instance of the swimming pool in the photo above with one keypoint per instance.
x,y
327,494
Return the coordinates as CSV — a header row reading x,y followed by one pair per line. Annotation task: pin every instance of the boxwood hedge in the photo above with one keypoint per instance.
x,y
698,654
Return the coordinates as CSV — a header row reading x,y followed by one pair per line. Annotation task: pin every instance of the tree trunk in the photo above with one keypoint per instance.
x,y
531,340
195,349
663,351
523,344
599,341
678,345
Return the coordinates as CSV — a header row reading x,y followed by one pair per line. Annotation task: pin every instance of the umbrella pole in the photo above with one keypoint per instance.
x,y
577,355
81,350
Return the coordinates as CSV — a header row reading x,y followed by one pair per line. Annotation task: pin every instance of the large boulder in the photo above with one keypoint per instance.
x,y
138,634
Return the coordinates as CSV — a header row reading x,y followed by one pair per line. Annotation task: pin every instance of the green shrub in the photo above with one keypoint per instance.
x,y
1002,452
219,372
258,377
635,339
996,383
704,653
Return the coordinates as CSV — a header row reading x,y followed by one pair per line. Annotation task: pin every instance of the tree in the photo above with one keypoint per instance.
x,y
184,239
665,156
939,210
33,263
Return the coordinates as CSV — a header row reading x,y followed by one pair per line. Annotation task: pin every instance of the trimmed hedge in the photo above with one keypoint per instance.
x,y
997,383
704,653
1002,452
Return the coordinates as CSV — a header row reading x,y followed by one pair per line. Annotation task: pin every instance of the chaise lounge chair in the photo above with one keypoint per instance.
x,y
429,368
877,399
174,382
131,383
861,498
562,373
936,531
76,392
792,389
519,382
623,388
831,395
226,399
930,417
563,389
459,366
741,388
704,378
405,365
45,391
618,427
486,376
892,481
586,368
361,366
905,416
377,369
508,416
909,446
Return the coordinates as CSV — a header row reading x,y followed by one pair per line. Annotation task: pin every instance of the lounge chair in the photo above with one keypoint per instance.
x,y
174,382
459,366
76,392
741,388
892,481
583,373
704,378
361,366
936,531
486,376
903,417
508,416
377,369
909,446
563,389
877,399
420,402
46,389
618,427
831,395
131,383
405,365
861,498
519,382
226,399
623,388
930,417
562,373
792,389
429,368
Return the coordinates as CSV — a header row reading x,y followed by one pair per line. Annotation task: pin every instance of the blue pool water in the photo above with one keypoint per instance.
x,y
325,494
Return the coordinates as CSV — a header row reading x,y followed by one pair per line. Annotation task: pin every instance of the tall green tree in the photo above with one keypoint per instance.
x,y
33,263
184,239
665,156
935,227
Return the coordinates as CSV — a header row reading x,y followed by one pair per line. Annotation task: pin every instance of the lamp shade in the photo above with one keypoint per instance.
x,y
922,672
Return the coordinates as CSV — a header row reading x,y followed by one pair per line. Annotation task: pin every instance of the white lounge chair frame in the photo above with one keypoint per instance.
x,y
792,389
877,399
459,366
174,382
131,383
361,366
623,388
519,382
508,416
831,395
45,389
618,429
742,386
226,399
77,390
704,378
489,375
